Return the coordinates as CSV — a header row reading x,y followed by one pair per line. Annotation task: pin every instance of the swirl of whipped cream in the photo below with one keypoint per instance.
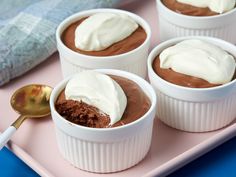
x,y
200,59
98,90
101,30
219,6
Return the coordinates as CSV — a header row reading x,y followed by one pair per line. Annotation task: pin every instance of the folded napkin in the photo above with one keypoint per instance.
x,y
27,31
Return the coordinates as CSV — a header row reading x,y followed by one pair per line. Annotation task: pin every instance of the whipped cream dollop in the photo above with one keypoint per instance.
x,y
200,59
98,90
101,30
219,6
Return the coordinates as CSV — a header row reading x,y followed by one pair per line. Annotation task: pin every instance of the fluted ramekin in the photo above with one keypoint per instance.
x,y
104,150
173,24
133,61
193,109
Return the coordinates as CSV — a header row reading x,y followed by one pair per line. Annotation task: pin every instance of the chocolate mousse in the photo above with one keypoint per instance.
x,y
130,43
83,114
187,9
181,79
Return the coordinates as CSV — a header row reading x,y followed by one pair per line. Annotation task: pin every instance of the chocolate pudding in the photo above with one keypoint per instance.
x,y
83,114
130,43
180,79
187,9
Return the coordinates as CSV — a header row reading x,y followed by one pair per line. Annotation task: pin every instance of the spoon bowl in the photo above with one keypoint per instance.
x,y
32,100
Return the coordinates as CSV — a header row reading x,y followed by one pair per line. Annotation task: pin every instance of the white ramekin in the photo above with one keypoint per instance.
x,y
105,150
133,61
194,109
172,24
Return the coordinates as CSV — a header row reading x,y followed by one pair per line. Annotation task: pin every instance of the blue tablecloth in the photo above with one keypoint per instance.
x,y
12,166
220,162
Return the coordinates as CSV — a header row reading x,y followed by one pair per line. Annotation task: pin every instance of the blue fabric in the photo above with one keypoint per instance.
x,y
220,162
27,31
12,166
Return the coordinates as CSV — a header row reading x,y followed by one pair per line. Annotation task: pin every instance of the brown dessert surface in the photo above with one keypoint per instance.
x,y
130,43
82,114
187,9
178,78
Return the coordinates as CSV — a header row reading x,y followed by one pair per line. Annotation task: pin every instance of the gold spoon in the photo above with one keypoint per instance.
x,y
31,101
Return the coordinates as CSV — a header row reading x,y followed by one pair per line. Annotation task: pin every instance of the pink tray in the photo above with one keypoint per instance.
x,y
170,150
35,141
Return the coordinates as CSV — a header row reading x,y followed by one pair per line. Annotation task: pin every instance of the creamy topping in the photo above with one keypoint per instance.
x,y
200,59
101,30
219,6
98,90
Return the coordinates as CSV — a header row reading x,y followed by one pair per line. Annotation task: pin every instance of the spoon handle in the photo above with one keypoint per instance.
x,y
6,135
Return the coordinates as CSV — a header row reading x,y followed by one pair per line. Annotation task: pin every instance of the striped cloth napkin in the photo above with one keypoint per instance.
x,y
27,31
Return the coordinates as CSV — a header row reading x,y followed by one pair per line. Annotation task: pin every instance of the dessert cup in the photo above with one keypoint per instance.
x,y
173,24
104,150
193,109
133,61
